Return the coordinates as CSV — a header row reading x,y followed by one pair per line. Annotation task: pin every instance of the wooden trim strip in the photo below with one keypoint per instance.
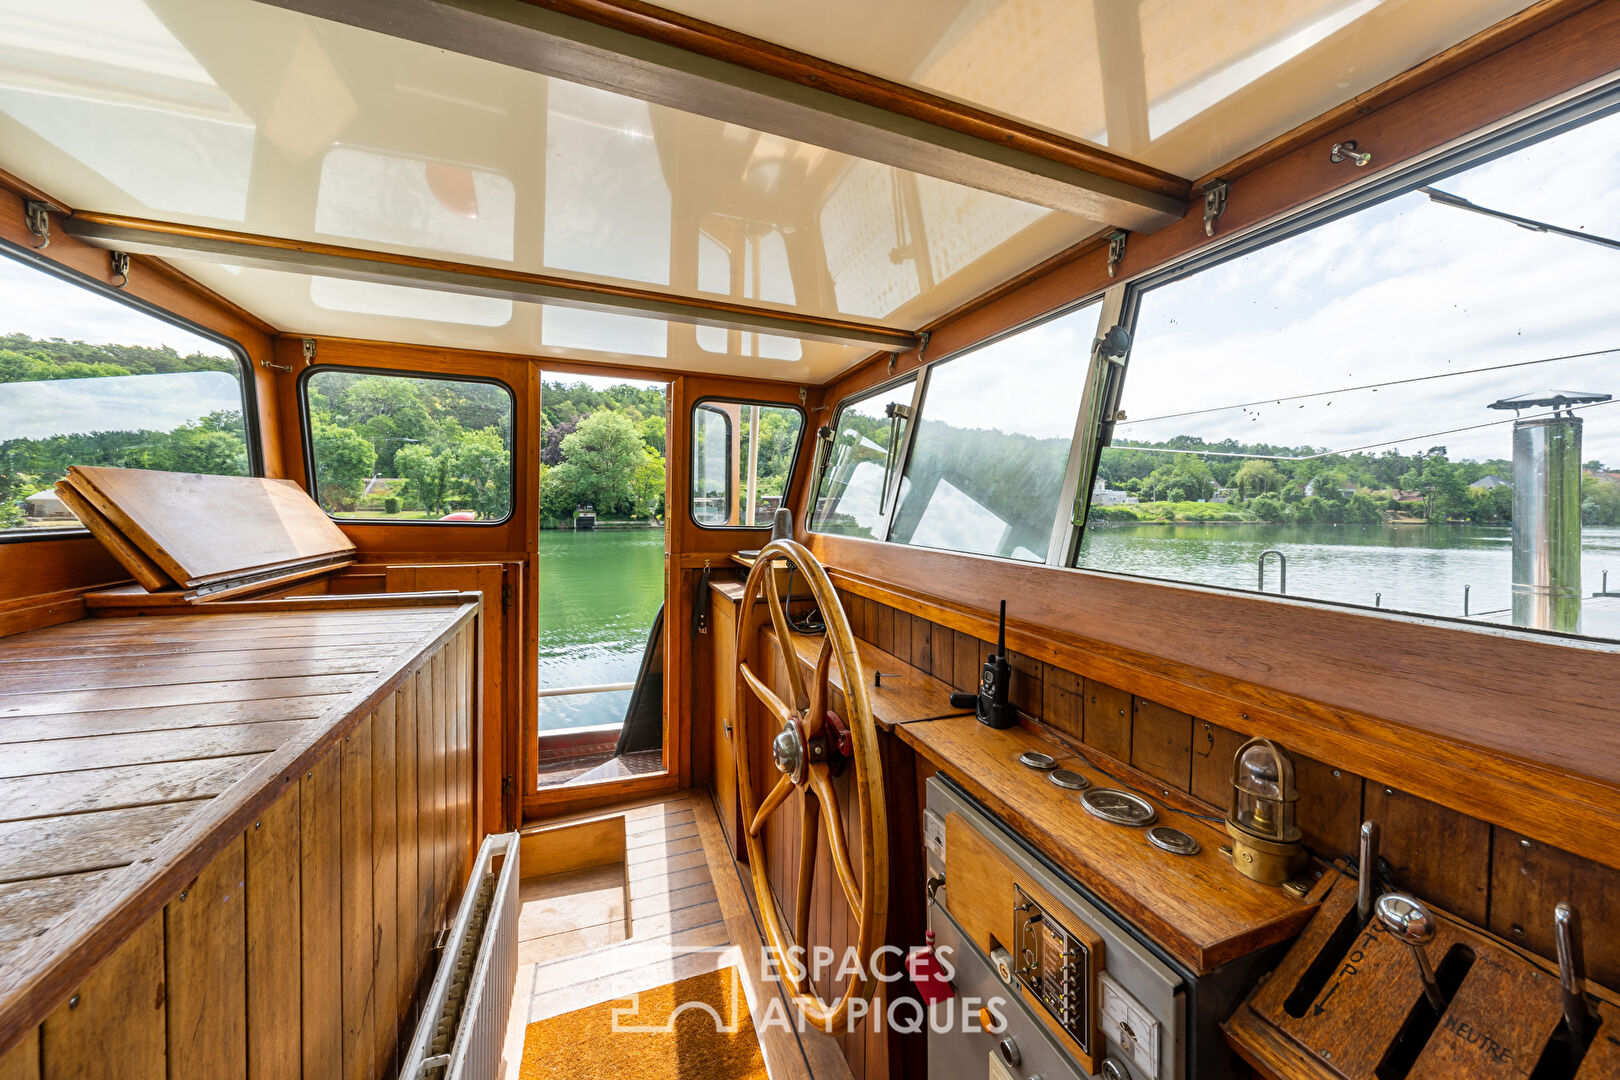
x,y
43,972
162,238
718,43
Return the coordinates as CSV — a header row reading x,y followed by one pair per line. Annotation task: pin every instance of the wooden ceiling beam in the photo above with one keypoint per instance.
x,y
140,236
675,61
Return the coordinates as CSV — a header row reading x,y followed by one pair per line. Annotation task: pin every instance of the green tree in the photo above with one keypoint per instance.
x,y
600,460
427,476
480,467
343,459
649,487
1257,476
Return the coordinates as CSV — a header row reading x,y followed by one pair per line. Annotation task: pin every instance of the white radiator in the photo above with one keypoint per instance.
x,y
463,1025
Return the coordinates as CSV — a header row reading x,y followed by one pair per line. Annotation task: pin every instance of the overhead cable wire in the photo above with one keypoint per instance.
x,y
1370,386
1368,446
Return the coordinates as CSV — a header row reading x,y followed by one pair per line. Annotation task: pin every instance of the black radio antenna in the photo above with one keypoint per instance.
x,y
1001,632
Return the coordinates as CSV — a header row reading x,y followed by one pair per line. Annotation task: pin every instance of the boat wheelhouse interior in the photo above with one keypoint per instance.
x,y
918,539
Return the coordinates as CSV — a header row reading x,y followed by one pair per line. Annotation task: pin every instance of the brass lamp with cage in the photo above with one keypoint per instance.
x,y
1265,839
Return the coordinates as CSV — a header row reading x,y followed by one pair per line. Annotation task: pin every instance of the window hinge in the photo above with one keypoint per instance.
x,y
120,268
38,217
508,787
1214,203
1116,250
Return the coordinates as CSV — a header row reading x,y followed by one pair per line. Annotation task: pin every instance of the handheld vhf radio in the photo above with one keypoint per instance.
x,y
990,704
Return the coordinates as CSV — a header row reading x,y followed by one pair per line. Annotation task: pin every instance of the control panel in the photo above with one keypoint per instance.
x,y
1055,966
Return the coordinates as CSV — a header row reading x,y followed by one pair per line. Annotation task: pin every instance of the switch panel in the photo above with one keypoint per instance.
x,y
1130,1026
934,835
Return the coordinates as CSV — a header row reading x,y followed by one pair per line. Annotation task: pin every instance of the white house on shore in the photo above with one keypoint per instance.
x,y
1103,495
45,506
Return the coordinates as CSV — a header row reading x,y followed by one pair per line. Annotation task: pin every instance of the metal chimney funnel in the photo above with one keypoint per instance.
x,y
1547,510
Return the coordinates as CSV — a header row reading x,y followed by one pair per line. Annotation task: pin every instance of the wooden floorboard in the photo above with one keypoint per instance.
x,y
687,913
164,717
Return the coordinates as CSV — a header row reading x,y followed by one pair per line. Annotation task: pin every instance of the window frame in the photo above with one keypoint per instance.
x,y
1512,134
250,399
306,435
793,462
902,453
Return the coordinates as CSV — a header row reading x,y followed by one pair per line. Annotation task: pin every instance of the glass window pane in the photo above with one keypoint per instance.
x,y
737,479
1330,396
91,381
986,469
850,490
410,448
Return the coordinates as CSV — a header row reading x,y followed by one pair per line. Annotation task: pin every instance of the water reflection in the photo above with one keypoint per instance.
x,y
1416,568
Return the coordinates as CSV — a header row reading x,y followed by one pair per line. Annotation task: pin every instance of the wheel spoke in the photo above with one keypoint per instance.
x,y
771,702
810,820
822,783
772,801
816,718
784,642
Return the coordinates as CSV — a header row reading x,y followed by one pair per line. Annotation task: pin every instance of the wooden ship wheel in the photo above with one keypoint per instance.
x,y
810,746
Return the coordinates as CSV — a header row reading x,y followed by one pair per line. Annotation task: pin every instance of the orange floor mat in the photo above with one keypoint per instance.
x,y
696,1029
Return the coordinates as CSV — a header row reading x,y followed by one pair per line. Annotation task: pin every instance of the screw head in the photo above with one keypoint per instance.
x,y
73,1002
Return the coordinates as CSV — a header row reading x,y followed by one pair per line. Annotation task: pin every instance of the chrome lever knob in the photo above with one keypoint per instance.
x,y
1406,917
1572,971
1369,870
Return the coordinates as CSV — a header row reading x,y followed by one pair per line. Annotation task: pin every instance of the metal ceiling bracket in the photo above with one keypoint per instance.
x,y
923,338
1214,203
120,268
38,217
309,351
1116,250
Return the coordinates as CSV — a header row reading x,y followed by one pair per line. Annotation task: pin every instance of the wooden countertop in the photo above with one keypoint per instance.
x,y
1201,910
132,749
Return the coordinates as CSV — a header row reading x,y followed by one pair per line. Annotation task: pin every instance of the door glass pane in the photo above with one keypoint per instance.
x,y
986,468
739,480
397,448
86,380
850,493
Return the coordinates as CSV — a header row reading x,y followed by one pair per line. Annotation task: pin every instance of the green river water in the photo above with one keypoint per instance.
x,y
600,590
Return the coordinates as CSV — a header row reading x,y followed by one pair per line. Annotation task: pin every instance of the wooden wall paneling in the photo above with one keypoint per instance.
x,y
412,942
428,812
359,930
1108,719
942,653
922,645
1213,747
1329,807
903,634
1025,689
1062,701
1528,878
1438,854
1161,743
21,1062
112,1027
385,858
205,957
274,922
321,915
723,723
884,617
966,660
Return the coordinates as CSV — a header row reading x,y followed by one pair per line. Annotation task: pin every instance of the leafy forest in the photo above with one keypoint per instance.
x,y
602,448
1358,488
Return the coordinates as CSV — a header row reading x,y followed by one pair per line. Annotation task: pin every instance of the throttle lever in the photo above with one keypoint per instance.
x,y
1410,922
1572,972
